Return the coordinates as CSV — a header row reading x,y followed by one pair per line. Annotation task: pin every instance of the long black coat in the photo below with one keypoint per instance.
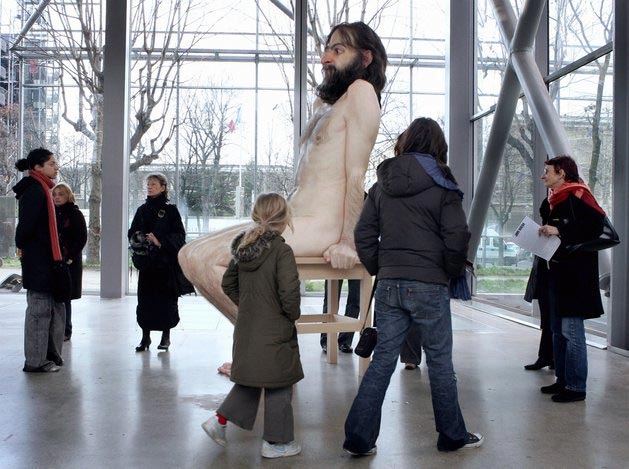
x,y
158,285
72,238
32,235
575,275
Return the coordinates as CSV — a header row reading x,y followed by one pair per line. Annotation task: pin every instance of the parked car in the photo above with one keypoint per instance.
x,y
488,252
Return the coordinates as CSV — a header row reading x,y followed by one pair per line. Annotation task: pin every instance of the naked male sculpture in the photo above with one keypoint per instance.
x,y
334,153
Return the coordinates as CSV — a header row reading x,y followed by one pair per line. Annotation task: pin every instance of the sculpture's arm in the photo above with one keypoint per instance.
x,y
362,120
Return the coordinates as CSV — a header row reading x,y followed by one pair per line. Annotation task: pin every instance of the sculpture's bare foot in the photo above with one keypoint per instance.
x,y
225,369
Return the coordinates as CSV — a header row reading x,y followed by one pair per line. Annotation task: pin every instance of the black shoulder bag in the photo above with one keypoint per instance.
x,y
368,335
607,239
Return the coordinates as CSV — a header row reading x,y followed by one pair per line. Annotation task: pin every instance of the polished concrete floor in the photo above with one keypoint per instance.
x,y
110,407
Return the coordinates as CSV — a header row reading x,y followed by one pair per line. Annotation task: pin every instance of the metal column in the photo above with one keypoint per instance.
x,y
115,161
521,72
460,96
618,322
301,65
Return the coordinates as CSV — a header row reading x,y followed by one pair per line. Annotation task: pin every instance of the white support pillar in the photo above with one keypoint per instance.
x,y
115,159
460,76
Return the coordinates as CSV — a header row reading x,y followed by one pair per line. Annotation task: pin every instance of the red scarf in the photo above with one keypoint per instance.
x,y
579,190
47,184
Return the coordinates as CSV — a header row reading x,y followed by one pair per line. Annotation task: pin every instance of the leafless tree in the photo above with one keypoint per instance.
x,y
76,32
604,15
9,136
210,122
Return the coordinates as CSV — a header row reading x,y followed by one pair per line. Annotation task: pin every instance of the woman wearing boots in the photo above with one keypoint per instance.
x,y
157,227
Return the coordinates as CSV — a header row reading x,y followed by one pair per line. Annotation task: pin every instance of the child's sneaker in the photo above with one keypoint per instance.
x,y
280,451
474,440
215,430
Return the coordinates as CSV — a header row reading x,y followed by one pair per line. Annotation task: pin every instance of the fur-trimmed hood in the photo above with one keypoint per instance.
x,y
252,256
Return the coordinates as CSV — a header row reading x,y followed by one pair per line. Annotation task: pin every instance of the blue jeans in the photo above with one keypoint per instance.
x,y
569,348
398,304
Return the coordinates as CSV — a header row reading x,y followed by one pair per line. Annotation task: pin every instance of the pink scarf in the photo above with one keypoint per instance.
x,y
47,184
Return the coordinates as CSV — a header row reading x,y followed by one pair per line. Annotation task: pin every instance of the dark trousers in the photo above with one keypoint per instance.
x,y
68,331
352,309
545,351
241,407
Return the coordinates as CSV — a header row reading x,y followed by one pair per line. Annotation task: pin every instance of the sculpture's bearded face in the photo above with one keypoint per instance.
x,y
338,76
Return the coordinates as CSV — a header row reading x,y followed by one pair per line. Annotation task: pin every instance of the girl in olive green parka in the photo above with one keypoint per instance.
x,y
262,281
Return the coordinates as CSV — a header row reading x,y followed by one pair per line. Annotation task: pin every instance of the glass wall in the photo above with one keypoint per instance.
x,y
51,81
583,99
576,28
212,90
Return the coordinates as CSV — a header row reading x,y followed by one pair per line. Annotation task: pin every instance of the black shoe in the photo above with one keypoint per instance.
x,y
49,367
539,364
164,345
554,388
569,396
370,452
143,346
346,348
324,348
55,358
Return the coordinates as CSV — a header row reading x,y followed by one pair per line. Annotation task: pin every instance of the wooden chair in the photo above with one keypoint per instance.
x,y
331,323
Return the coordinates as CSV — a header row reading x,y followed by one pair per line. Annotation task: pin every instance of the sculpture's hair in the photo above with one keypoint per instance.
x,y
162,179
35,157
361,37
271,212
65,189
568,165
425,136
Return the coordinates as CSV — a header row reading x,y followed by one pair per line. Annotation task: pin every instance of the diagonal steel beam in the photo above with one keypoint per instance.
x,y
521,74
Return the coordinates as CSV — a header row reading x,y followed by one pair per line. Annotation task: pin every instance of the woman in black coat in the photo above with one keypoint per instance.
x,y
72,238
157,234
37,240
569,281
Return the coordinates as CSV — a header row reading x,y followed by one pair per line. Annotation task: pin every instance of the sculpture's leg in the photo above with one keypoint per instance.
x,y
204,262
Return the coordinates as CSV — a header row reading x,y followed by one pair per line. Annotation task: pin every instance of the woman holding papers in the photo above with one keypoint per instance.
x,y
567,285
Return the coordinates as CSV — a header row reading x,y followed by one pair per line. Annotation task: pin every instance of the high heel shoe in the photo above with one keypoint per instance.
x,y
143,346
539,364
164,345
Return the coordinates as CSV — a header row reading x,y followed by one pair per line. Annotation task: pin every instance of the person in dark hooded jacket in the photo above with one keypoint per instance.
x,y
262,280
413,235
37,240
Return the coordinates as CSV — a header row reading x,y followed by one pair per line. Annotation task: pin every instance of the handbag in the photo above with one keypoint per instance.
x,y
61,282
607,239
367,342
368,335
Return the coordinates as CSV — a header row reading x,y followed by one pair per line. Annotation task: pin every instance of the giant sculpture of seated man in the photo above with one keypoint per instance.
x,y
334,154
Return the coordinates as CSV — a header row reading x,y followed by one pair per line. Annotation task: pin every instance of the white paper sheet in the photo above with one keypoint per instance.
x,y
527,237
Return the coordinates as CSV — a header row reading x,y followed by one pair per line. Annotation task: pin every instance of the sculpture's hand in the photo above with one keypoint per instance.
x,y
341,256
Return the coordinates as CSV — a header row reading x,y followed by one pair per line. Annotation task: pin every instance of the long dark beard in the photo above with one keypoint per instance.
x,y
336,83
